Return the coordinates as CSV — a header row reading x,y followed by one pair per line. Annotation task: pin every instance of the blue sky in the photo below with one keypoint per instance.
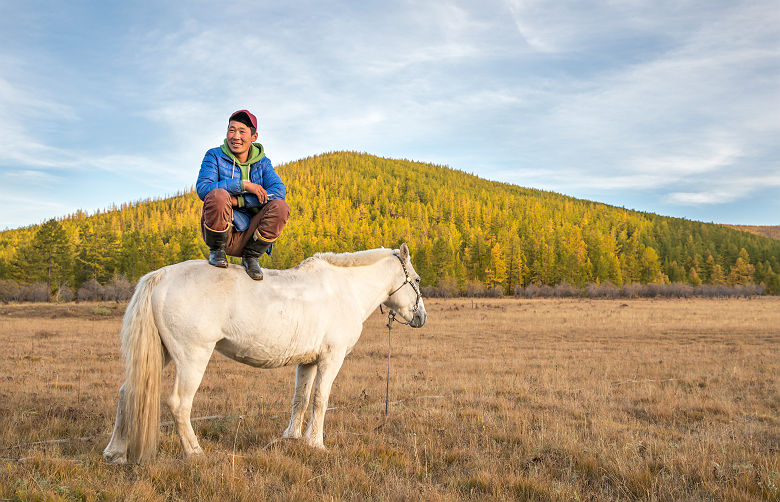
x,y
667,107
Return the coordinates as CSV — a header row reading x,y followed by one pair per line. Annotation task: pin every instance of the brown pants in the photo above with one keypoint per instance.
x,y
268,222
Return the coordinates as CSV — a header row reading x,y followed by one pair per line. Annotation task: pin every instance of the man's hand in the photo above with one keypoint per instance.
x,y
256,189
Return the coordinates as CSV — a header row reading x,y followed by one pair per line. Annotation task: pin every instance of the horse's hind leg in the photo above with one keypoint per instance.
x,y
304,376
116,450
189,373
327,369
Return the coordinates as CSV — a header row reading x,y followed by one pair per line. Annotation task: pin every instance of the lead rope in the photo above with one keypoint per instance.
x,y
387,380
390,319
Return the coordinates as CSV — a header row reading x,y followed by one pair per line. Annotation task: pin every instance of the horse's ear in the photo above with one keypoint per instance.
x,y
404,252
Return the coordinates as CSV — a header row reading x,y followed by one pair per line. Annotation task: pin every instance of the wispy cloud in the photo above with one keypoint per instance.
x,y
721,190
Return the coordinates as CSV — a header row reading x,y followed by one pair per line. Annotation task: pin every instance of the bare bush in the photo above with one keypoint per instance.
x,y
89,291
117,289
603,290
475,289
429,291
9,291
630,290
724,291
532,291
679,290
65,294
565,290
448,287
606,290
495,292
37,292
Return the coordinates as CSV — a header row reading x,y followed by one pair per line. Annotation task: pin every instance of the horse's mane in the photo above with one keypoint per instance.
x,y
356,259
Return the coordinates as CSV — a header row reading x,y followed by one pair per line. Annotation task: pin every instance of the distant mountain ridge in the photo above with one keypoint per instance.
x,y
461,229
771,231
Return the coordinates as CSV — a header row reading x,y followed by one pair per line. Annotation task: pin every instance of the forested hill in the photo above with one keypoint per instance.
x,y
459,227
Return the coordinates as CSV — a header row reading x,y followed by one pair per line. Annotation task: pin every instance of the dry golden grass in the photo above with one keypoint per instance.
x,y
499,399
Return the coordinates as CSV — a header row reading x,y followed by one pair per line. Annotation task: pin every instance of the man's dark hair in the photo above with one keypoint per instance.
x,y
244,119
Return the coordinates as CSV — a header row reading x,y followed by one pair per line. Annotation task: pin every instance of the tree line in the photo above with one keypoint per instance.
x,y
462,230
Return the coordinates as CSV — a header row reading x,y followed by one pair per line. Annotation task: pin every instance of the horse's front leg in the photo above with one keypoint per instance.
x,y
327,369
304,377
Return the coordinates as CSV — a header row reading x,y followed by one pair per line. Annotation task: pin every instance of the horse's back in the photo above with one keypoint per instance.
x,y
278,321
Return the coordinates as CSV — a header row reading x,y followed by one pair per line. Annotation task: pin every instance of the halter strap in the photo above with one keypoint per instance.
x,y
408,281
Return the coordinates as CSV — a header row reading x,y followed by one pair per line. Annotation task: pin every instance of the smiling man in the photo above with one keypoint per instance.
x,y
243,198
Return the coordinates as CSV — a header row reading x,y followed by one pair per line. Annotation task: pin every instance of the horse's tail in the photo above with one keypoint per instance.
x,y
142,351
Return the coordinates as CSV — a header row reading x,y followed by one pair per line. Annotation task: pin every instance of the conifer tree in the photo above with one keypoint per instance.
x,y
496,271
49,256
708,269
693,277
717,276
742,271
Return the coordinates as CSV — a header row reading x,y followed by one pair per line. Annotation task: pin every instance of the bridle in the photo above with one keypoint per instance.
x,y
410,282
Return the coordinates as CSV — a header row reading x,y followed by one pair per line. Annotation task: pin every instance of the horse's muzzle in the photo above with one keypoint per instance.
x,y
419,319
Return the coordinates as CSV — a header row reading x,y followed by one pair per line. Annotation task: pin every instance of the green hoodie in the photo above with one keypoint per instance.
x,y
256,154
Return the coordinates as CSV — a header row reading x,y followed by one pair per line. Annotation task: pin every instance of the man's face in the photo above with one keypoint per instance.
x,y
239,138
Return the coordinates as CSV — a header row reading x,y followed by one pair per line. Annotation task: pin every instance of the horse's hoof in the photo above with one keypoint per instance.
x,y
115,457
291,435
318,445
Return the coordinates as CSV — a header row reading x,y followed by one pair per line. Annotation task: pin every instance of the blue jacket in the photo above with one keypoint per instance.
x,y
220,171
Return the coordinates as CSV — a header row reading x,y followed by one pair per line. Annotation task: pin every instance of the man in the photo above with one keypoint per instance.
x,y
243,198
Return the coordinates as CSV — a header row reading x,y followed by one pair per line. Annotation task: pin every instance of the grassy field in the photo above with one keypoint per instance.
x,y
492,399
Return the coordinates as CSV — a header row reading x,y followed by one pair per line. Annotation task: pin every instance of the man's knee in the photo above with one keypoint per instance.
x,y
273,218
278,209
217,210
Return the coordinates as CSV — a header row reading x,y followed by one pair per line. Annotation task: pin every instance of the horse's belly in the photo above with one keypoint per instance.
x,y
261,356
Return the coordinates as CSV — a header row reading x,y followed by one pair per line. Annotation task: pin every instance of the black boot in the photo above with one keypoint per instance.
x,y
217,242
252,251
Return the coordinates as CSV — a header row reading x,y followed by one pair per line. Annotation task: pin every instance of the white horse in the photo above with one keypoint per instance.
x,y
311,315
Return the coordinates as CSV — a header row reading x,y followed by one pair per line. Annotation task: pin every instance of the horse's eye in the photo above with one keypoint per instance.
x,y
417,280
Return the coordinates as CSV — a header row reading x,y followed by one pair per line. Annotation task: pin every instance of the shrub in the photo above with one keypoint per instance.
x,y
448,287
630,290
89,291
495,292
37,292
532,291
117,289
475,289
565,290
9,291
604,290
65,294
429,292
